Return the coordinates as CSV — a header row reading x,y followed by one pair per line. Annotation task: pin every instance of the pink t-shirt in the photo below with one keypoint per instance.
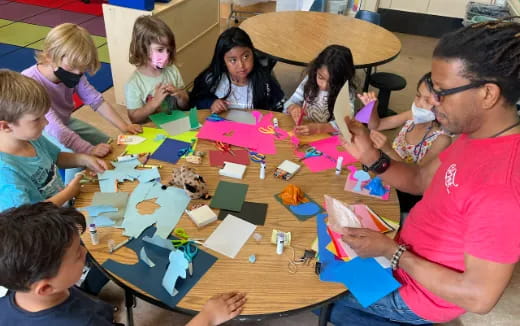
x,y
472,206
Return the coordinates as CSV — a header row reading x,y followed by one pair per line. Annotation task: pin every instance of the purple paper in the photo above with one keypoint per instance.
x,y
169,150
363,115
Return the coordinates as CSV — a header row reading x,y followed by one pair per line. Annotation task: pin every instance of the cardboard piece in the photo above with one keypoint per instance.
x,y
217,158
252,212
365,112
364,277
343,108
230,236
229,195
311,208
233,170
243,116
150,279
168,151
178,126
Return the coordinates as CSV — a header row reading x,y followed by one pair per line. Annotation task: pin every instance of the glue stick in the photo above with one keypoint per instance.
x,y
262,170
275,122
338,165
93,234
279,243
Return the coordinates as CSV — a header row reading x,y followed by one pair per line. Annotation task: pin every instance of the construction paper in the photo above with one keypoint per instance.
x,y
177,126
230,236
163,117
229,195
266,121
252,212
306,139
242,116
150,144
327,161
101,221
352,182
149,174
168,151
217,158
107,185
172,201
122,171
194,120
305,209
150,279
364,113
232,170
370,220
144,257
343,108
301,217
160,242
97,210
176,269
367,280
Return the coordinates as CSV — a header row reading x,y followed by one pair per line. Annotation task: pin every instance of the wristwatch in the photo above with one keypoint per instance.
x,y
379,166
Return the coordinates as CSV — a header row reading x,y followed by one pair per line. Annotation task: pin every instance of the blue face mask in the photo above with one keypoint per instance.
x,y
421,115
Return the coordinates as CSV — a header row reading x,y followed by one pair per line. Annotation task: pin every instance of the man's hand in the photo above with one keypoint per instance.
x,y
219,106
379,139
133,128
360,147
100,150
369,243
222,308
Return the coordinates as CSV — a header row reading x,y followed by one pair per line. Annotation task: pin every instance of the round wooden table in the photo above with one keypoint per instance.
x,y
297,37
272,290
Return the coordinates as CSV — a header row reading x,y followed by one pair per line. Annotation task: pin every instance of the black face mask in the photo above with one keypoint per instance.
x,y
68,78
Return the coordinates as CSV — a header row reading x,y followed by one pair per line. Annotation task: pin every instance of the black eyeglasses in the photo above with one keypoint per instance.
x,y
438,95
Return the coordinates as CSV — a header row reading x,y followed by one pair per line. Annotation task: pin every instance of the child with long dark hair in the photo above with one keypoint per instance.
x,y
235,78
316,95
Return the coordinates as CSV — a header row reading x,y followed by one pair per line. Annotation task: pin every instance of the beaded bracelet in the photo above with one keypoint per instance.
x,y
397,255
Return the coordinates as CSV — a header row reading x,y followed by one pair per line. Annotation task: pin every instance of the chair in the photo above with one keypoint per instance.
x,y
369,16
235,13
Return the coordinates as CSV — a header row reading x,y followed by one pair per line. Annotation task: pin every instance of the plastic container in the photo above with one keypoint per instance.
x,y
135,4
479,12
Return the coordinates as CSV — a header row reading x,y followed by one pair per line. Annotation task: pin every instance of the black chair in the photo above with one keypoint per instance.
x,y
386,82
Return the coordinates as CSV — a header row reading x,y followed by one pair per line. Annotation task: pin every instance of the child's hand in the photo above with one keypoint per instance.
x,y
379,139
100,150
295,111
219,106
223,307
74,185
93,163
160,93
133,129
308,129
366,98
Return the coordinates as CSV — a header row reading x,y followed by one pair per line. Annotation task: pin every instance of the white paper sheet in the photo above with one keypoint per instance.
x,y
230,236
343,108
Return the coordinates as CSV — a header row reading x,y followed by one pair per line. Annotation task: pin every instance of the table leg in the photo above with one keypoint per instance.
x,y
324,314
367,79
129,304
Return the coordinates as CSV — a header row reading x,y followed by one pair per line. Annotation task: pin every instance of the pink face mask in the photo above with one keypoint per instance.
x,y
159,59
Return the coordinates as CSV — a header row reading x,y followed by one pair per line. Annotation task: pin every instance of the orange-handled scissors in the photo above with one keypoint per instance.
x,y
224,147
269,130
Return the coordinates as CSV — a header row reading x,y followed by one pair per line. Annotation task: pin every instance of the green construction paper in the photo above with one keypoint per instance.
x,y
194,121
229,195
163,117
252,212
149,145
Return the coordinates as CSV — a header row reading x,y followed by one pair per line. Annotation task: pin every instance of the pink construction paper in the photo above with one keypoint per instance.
x,y
329,147
364,114
240,134
364,217
317,163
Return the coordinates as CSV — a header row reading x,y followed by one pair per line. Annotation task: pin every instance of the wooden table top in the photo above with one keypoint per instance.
x,y
297,37
271,288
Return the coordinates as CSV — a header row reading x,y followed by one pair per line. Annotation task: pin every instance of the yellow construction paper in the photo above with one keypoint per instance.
x,y
150,145
330,247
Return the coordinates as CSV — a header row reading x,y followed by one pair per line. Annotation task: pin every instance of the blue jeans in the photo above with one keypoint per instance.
x,y
390,310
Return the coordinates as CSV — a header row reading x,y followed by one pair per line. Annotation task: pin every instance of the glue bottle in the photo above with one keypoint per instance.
x,y
262,170
279,243
93,234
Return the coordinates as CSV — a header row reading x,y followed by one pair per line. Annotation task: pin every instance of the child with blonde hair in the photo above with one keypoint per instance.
x,y
156,85
68,52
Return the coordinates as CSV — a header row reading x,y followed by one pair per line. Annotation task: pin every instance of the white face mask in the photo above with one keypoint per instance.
x,y
421,115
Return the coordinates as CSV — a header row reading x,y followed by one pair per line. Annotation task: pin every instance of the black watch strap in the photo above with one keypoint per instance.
x,y
379,166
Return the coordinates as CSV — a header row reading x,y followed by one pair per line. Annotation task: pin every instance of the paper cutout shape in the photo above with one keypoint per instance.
x,y
172,201
343,108
144,257
306,209
94,211
364,277
159,242
202,216
242,116
150,279
115,199
169,150
229,195
361,176
300,217
123,171
351,182
233,170
129,139
230,236
149,174
375,187
160,137
252,212
364,113
176,268
217,158
150,144
194,120
178,126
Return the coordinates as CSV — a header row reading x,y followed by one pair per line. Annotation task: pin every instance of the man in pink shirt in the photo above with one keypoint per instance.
x,y
459,245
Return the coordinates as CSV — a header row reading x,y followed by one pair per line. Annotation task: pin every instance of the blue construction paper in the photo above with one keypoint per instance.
x,y
176,268
160,242
364,277
102,221
361,176
149,174
305,209
94,211
150,279
159,137
376,188
144,257
172,201
169,150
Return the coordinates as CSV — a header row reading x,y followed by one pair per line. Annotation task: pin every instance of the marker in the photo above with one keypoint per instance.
x,y
149,166
279,243
121,244
262,170
93,234
339,165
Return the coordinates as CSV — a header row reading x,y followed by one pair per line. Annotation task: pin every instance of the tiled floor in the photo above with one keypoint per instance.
x,y
414,60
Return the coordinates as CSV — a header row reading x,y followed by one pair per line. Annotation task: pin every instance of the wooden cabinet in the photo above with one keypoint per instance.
x,y
195,24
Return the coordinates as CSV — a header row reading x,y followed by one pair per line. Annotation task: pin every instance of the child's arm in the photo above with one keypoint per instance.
x,y
314,128
66,136
381,142
140,115
115,119
377,123
73,160
220,309
70,191
180,94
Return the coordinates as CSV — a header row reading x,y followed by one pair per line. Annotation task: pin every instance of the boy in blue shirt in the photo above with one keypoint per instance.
x,y
28,161
41,258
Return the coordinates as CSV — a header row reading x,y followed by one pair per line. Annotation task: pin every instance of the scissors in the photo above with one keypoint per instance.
x,y
187,245
257,157
311,152
215,118
224,147
269,130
